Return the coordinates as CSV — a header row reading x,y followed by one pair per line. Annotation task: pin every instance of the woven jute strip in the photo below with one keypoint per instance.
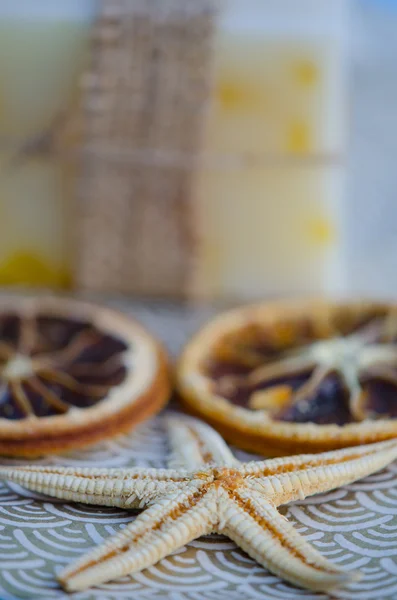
x,y
144,99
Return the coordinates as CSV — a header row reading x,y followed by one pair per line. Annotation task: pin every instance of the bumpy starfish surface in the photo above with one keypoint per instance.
x,y
206,490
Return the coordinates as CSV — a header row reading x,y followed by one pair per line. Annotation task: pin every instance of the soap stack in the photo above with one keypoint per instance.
x,y
190,149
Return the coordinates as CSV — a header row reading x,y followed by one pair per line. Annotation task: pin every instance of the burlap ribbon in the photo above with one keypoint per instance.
x,y
144,96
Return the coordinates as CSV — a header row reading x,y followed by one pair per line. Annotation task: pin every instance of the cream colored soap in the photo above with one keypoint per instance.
x,y
41,48
270,202
267,199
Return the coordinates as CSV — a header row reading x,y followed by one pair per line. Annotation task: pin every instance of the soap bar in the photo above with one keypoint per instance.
x,y
252,205
42,44
209,161
270,212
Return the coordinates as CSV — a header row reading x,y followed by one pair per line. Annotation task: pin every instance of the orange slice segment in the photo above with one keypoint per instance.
x,y
72,373
295,376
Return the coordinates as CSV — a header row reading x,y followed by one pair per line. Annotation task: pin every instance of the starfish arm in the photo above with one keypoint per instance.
x,y
194,444
124,488
259,529
294,478
163,528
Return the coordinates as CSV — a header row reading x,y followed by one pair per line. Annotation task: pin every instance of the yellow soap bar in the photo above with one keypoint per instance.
x,y
42,46
33,223
269,198
263,209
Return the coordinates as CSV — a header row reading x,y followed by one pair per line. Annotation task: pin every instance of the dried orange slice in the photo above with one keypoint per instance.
x,y
72,373
290,377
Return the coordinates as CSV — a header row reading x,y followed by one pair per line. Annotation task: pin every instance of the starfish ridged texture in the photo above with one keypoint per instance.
x,y
206,489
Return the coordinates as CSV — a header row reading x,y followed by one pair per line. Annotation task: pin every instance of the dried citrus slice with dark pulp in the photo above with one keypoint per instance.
x,y
72,373
291,377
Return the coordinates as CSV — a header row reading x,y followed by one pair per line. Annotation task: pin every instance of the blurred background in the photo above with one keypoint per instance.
x,y
199,150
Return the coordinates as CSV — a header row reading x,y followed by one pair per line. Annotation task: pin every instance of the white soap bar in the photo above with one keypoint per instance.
x,y
272,224
268,201
41,47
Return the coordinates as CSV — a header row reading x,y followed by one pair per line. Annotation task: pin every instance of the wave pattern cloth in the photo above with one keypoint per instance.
x,y
239,500
355,527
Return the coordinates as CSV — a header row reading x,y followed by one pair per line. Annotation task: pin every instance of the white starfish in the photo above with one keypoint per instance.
x,y
206,490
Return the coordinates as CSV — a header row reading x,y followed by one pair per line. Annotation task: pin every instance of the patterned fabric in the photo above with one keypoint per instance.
x,y
355,526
